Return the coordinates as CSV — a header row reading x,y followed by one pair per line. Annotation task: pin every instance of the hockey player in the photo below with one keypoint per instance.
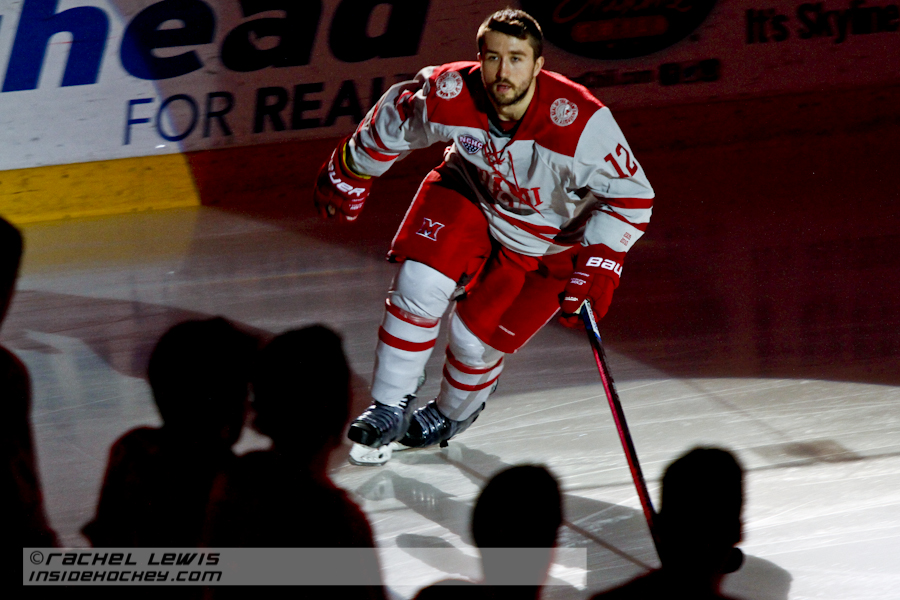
x,y
536,203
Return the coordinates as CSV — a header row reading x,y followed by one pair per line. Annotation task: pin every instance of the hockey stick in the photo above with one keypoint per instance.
x,y
590,324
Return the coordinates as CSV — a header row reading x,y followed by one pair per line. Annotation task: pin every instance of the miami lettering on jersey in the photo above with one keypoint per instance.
x,y
508,193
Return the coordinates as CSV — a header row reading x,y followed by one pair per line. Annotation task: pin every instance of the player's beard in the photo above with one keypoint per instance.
x,y
511,100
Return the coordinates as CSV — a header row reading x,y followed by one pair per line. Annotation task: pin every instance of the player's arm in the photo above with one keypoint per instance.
x,y
606,165
396,125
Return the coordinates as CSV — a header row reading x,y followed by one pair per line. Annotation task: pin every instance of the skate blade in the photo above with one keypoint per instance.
x,y
365,456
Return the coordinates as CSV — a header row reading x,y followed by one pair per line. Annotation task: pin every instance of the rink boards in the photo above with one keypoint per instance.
x,y
130,96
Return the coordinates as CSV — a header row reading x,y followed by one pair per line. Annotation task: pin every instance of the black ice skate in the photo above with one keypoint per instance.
x,y
429,426
382,424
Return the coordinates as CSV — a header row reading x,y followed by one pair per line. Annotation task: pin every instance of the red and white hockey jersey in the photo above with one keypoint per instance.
x,y
565,176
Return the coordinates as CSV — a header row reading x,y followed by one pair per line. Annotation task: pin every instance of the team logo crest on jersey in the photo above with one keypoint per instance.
x,y
470,144
563,112
429,229
449,85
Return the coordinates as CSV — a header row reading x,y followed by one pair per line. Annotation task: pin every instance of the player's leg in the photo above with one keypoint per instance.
x,y
443,239
408,332
470,373
510,301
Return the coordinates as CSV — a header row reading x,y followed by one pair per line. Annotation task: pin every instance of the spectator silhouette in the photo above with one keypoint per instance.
x,y
514,525
283,497
698,527
158,480
25,517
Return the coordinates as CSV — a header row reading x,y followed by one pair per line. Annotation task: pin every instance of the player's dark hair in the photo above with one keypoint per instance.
x,y
515,23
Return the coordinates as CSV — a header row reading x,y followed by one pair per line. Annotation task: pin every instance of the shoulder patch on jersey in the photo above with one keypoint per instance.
x,y
449,85
470,144
563,112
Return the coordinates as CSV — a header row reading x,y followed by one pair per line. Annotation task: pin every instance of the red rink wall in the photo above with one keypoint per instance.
x,y
232,116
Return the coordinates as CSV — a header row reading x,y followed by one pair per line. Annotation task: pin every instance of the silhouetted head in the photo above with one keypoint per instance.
x,y
515,23
700,520
301,390
519,508
10,257
200,372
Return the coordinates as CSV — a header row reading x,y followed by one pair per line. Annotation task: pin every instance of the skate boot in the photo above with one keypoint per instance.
x,y
429,426
382,424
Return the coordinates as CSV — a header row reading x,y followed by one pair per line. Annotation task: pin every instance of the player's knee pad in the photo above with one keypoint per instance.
x,y
470,373
468,348
421,290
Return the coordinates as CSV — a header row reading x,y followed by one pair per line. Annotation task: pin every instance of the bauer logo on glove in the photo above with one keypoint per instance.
x,y
343,186
595,278
604,263
339,191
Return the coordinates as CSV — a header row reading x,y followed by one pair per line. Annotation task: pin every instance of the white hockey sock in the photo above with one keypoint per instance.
x,y
409,330
470,372
405,342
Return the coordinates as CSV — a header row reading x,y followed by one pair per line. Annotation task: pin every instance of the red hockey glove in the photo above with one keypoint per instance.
x,y
595,277
339,191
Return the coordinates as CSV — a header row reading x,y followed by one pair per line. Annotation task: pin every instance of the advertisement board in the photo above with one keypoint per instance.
x,y
98,80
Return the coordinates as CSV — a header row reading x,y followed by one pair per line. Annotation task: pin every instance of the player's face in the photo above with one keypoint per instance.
x,y
508,69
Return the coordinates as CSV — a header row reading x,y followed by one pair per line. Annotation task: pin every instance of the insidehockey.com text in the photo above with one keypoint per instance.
x,y
126,576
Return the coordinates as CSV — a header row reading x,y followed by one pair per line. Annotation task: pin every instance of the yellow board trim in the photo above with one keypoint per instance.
x,y
97,188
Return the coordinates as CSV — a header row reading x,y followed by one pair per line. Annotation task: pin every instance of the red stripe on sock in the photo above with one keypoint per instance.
x,y
467,369
467,388
400,344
